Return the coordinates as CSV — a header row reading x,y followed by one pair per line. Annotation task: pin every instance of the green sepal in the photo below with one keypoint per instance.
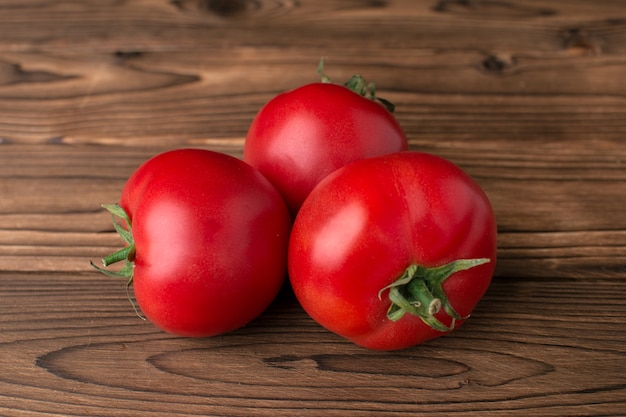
x,y
419,291
320,72
359,85
126,254
117,211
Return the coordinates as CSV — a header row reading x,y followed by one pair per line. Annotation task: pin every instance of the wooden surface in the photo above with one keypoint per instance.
x,y
528,96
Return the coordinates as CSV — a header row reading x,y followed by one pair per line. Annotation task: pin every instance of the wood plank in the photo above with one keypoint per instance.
x,y
528,349
560,211
164,98
577,25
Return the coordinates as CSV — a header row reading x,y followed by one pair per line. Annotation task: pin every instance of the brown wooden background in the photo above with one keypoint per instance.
x,y
528,96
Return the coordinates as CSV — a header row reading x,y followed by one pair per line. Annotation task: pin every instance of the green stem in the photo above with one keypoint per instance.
x,y
126,254
359,85
419,291
120,255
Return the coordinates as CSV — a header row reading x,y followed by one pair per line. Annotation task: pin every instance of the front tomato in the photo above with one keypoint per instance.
x,y
392,251
209,239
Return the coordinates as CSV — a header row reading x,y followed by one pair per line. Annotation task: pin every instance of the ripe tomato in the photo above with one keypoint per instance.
x,y
208,238
302,135
392,251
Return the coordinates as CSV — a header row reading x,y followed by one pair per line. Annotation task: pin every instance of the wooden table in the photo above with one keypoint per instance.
x,y
528,96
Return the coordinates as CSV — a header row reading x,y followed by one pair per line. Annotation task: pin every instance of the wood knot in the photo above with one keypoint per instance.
x,y
124,55
229,8
491,8
378,4
577,41
498,63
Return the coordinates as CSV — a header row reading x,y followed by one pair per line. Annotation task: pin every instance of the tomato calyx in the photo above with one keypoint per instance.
x,y
419,291
126,254
359,85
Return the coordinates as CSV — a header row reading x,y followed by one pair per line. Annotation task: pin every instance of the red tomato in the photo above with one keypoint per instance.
x,y
392,251
210,238
301,136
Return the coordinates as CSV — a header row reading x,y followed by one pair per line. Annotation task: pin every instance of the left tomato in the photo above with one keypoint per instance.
x,y
206,241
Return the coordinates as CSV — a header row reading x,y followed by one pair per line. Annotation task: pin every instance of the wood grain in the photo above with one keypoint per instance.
x,y
528,96
529,349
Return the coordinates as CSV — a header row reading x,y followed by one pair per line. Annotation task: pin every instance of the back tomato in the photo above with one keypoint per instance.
x,y
302,135
210,240
392,251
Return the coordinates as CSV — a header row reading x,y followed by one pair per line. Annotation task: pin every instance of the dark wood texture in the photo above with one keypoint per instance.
x,y
528,96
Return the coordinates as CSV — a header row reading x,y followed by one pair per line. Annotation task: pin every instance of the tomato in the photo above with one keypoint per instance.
x,y
208,239
302,135
392,251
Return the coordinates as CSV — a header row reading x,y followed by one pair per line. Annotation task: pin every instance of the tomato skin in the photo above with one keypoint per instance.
x,y
211,237
364,224
302,135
